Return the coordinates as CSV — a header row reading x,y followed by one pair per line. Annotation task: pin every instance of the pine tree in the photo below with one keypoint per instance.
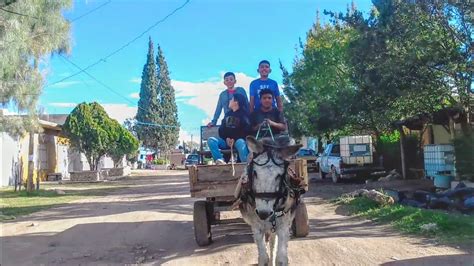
x,y
149,110
169,110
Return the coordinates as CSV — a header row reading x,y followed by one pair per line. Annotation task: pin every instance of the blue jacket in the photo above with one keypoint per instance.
x,y
223,102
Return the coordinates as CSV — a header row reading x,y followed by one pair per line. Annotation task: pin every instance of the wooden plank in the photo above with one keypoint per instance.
x,y
214,189
217,180
208,173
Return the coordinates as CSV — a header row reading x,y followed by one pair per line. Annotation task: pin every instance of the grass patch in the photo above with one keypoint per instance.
x,y
14,204
446,227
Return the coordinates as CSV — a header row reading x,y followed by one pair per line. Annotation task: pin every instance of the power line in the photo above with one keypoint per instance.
x,y
116,93
91,11
104,59
16,13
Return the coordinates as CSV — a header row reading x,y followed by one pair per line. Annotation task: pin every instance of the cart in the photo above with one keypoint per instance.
x,y
215,185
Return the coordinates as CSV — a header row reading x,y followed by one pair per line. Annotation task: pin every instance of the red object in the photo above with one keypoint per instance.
x,y
231,91
149,157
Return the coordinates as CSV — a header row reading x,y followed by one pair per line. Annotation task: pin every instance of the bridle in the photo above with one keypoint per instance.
x,y
285,188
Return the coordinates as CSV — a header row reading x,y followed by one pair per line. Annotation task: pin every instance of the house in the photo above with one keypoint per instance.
x,y
51,153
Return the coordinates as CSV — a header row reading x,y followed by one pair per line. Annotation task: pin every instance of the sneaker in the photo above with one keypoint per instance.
x,y
220,162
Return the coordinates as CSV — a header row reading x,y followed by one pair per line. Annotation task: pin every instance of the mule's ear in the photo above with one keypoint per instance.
x,y
254,145
289,151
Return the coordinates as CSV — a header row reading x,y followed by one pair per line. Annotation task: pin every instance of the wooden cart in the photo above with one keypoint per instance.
x,y
215,185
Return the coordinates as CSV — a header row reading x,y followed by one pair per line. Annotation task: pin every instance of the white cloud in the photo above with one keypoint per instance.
x,y
135,95
65,84
204,95
119,111
63,105
7,112
136,80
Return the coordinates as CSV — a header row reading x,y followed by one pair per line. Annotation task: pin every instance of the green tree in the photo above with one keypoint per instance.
x,y
148,116
320,88
29,31
91,131
169,111
125,144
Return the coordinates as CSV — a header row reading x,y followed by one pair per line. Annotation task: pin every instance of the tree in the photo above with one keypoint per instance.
x,y
169,112
29,31
319,88
148,116
125,145
91,131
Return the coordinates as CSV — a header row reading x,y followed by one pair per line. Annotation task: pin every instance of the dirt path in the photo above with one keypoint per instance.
x,y
151,223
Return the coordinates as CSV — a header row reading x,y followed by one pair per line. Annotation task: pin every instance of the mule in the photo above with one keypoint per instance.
x,y
268,198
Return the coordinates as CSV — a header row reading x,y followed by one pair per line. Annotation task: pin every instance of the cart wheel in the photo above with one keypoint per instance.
x,y
202,227
300,226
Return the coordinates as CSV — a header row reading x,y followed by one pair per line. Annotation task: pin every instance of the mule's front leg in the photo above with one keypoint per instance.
x,y
283,237
262,249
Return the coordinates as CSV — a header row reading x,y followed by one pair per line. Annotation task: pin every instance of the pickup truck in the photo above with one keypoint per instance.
x,y
352,157
310,157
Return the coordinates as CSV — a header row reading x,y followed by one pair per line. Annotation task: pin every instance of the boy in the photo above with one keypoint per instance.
x,y
233,130
225,96
267,116
264,83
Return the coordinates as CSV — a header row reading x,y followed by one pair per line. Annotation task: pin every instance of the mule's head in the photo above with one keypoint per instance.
x,y
269,165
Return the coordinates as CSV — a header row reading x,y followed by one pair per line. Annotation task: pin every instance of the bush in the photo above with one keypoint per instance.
x,y
160,161
464,152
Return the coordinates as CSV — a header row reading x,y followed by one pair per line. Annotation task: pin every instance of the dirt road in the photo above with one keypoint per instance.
x,y
151,223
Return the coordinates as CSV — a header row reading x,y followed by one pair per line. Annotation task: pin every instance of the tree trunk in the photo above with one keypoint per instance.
x,y
31,163
402,151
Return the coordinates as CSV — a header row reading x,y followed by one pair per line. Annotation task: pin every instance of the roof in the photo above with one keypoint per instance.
x,y
49,125
59,119
440,117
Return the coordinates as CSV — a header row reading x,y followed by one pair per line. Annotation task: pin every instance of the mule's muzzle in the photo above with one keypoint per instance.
x,y
263,215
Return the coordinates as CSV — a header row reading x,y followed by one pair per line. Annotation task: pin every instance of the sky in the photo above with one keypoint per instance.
x,y
200,42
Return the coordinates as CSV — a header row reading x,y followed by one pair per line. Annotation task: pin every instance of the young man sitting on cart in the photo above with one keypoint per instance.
x,y
233,130
267,121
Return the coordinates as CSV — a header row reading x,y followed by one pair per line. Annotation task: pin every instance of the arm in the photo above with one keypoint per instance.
x,y
279,103
280,126
217,112
252,102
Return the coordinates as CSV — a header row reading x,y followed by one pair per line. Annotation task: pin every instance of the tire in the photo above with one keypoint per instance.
x,y
202,227
322,175
300,225
334,175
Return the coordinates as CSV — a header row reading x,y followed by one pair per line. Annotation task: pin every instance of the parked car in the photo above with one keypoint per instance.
x,y
310,157
352,157
192,159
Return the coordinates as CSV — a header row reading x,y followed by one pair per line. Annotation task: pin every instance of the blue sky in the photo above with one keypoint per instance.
x,y
200,42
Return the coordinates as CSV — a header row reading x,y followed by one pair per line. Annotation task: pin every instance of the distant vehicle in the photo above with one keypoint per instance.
x,y
310,156
192,159
352,157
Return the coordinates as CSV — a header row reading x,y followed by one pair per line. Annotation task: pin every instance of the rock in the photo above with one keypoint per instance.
x,y
33,224
150,257
356,193
394,258
141,259
429,227
393,175
161,250
469,203
378,197
60,192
